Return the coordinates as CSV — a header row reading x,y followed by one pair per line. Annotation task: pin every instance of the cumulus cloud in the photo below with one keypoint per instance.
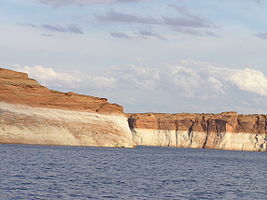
x,y
190,77
70,79
133,76
250,80
48,76
216,84
197,83
247,79
185,79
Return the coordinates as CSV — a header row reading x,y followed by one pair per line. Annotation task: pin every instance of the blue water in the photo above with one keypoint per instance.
x,y
55,172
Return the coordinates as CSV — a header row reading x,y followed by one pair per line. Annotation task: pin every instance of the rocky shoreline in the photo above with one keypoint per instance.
x,y
227,131
33,114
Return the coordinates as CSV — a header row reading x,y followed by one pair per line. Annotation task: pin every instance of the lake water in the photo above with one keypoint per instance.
x,y
57,172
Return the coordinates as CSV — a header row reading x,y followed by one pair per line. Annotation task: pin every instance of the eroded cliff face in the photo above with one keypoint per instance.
x,y
18,88
33,114
228,131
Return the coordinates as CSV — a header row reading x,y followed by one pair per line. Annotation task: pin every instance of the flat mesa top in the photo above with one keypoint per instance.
x,y
18,88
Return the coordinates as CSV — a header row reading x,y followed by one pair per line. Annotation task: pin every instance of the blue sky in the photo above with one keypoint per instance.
x,y
149,56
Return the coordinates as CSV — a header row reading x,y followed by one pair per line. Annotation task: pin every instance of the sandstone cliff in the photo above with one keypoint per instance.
x,y
33,114
18,88
228,130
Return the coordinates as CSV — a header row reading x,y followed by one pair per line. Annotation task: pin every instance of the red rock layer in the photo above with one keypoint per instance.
x,y
229,122
18,88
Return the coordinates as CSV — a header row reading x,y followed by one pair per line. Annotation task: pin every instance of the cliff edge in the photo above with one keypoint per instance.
x,y
33,114
18,88
228,130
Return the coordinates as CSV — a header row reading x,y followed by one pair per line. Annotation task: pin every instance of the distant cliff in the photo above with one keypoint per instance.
x,y
33,114
228,131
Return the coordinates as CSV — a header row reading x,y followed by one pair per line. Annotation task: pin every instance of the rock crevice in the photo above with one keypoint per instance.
x,y
228,130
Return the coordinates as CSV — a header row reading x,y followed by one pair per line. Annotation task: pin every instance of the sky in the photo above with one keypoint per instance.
x,y
168,56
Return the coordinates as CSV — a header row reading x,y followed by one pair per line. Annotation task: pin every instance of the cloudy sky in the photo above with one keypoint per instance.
x,y
147,55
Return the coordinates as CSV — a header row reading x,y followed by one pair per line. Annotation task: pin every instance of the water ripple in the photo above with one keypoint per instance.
x,y
51,172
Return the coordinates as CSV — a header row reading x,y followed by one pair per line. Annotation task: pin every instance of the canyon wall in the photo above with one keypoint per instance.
x,y
227,131
33,114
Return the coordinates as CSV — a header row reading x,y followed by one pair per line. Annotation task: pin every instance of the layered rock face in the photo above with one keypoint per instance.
x,y
18,88
228,131
33,114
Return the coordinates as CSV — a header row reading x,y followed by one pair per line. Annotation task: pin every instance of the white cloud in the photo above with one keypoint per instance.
x,y
72,79
48,74
199,85
247,79
144,72
136,77
101,81
186,79
216,84
250,80
189,77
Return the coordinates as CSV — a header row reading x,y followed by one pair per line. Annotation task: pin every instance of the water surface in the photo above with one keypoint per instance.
x,y
57,172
